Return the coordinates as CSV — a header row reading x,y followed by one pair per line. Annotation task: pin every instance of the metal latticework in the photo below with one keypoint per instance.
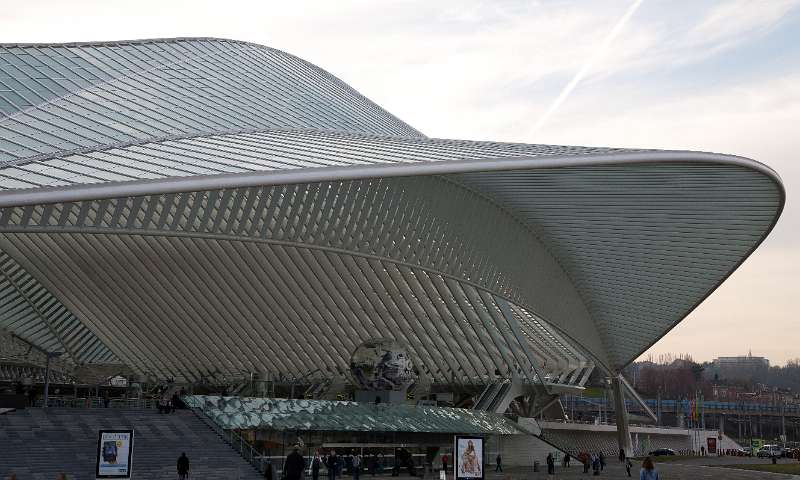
x,y
197,207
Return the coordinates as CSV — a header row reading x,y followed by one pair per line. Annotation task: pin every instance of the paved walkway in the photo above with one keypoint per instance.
x,y
688,469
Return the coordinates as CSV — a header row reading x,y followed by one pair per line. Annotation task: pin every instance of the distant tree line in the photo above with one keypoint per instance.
x,y
673,376
680,377
786,377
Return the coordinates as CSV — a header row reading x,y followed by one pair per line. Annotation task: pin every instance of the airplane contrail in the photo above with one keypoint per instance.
x,y
587,66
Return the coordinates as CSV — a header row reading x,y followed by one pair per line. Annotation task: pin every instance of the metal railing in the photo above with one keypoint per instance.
x,y
588,403
97,402
236,441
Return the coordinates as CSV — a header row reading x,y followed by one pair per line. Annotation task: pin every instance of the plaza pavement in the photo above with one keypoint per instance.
x,y
683,469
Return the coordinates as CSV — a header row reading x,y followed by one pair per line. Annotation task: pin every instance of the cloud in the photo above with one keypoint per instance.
x,y
587,66
734,21
757,119
488,70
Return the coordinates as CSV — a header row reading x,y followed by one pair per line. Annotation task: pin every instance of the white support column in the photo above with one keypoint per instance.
x,y
623,431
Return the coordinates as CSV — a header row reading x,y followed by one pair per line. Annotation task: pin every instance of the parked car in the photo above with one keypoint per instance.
x,y
770,451
662,451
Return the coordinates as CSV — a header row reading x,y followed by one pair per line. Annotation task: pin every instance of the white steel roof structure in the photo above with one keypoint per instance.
x,y
196,207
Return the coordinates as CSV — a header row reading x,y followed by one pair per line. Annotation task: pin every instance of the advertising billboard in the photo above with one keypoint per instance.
x,y
469,458
114,454
712,445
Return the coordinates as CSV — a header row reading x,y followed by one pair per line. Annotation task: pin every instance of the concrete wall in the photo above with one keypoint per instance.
x,y
520,450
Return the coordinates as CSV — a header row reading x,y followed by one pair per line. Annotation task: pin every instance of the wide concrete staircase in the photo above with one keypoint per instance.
x,y
575,441
37,444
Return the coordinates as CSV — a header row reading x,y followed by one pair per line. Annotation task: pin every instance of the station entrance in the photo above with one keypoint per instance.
x,y
390,439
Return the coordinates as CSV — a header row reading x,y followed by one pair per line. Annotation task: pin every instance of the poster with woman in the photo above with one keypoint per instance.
x,y
469,458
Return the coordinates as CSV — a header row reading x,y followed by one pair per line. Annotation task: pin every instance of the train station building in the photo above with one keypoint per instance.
x,y
213,211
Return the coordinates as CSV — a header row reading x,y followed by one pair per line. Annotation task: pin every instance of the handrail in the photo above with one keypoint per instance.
x,y
683,404
236,441
67,401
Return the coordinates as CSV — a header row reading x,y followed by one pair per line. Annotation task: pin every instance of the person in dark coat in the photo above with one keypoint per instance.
x,y
176,402
294,465
268,470
498,464
551,464
586,460
373,464
332,462
183,466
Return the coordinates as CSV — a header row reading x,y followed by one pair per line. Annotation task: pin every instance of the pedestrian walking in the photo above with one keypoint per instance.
x,y
373,464
551,464
648,471
348,462
294,465
444,462
356,466
183,466
332,462
628,466
621,455
565,460
498,464
163,405
602,461
176,402
316,464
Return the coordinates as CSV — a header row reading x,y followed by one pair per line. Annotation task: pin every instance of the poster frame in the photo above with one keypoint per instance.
x,y
456,439
712,442
99,449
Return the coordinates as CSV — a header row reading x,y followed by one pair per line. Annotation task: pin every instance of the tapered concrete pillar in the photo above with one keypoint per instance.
x,y
623,432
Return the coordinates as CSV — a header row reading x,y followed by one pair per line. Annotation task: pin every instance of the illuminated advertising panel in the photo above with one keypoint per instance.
x,y
469,458
114,454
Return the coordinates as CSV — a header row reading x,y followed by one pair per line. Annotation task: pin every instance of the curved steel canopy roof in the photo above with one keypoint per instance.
x,y
195,207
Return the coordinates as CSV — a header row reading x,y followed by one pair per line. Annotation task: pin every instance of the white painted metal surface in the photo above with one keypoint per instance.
x,y
201,207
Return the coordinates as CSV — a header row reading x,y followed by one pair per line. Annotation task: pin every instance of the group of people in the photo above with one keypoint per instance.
x,y
295,464
597,463
167,404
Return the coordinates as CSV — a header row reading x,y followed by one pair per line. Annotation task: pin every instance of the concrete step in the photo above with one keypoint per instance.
x,y
38,443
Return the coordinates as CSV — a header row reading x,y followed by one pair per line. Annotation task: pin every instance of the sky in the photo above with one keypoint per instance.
x,y
690,75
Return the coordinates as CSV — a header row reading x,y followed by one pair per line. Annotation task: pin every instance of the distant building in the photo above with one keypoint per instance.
x,y
746,368
748,361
